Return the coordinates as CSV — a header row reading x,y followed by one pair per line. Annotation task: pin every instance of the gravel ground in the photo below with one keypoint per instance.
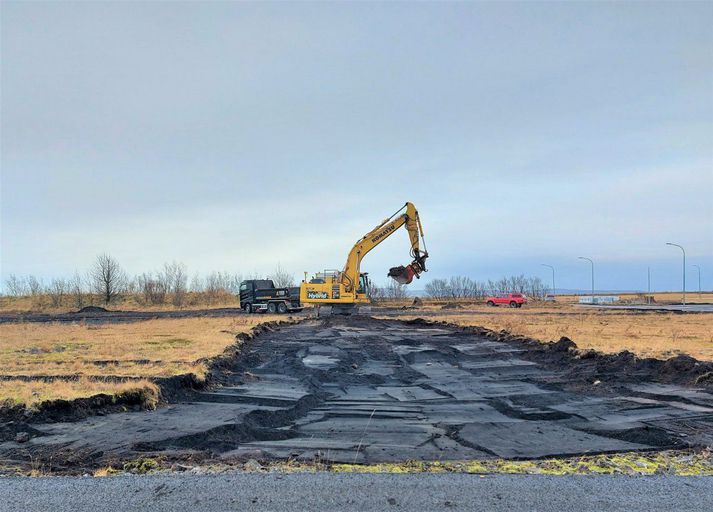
x,y
358,492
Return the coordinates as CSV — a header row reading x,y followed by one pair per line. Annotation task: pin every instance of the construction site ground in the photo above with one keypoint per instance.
x,y
362,390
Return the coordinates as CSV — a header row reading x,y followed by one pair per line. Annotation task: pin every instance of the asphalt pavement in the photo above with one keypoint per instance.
x,y
357,492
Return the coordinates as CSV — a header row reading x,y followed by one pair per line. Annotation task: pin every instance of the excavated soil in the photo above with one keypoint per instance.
x,y
364,390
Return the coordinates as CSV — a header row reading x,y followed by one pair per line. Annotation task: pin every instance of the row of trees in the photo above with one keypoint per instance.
x,y
460,287
106,280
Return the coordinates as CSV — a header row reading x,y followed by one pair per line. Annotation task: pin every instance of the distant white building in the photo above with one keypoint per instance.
x,y
598,299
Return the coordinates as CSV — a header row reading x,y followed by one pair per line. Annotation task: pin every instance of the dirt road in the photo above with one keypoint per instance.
x,y
364,390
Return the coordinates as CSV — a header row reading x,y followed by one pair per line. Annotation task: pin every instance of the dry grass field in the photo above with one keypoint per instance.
x,y
43,303
133,352
649,334
82,359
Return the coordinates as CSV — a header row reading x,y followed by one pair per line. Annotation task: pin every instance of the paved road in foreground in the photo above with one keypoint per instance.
x,y
358,492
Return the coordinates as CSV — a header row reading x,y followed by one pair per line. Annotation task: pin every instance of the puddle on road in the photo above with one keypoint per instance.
x,y
319,362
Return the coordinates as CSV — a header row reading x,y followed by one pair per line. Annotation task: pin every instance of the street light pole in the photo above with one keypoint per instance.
x,y
554,290
592,262
699,280
648,276
684,269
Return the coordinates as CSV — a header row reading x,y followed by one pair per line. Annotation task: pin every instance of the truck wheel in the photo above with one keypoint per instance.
x,y
513,304
519,305
271,308
491,303
248,308
282,308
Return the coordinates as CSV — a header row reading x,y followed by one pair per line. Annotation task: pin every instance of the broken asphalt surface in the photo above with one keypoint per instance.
x,y
364,390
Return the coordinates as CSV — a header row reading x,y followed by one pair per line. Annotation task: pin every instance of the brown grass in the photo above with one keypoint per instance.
x,y
42,303
650,334
134,352
35,392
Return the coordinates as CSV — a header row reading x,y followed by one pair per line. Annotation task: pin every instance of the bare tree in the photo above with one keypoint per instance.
x,y
34,285
235,280
76,288
107,277
458,287
176,279
196,283
438,289
57,290
16,286
132,286
499,286
395,291
282,278
216,284
153,290
536,288
377,293
517,284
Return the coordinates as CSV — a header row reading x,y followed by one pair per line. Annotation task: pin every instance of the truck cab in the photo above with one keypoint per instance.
x,y
261,296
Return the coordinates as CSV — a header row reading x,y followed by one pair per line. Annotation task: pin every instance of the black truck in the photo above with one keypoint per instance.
x,y
260,296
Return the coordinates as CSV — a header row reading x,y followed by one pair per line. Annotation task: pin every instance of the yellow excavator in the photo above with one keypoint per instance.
x,y
345,289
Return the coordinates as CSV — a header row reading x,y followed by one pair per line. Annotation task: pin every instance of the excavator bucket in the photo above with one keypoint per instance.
x,y
401,274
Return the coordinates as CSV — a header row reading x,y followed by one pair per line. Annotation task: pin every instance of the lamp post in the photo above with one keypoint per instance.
x,y
592,262
648,279
699,280
684,269
554,290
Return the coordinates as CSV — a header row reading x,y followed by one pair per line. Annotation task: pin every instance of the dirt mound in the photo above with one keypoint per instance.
x,y
417,301
74,410
93,309
17,431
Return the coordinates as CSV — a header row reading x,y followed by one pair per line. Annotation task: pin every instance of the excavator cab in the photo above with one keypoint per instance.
x,y
364,284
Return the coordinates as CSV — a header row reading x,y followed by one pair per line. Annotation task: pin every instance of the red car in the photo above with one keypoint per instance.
x,y
514,300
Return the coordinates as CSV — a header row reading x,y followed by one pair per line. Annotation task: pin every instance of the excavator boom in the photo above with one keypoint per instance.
x,y
385,229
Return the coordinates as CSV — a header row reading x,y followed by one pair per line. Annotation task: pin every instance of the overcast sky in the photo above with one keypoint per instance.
x,y
233,136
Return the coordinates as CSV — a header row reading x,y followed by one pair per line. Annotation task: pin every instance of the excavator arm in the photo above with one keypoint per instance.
x,y
403,275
